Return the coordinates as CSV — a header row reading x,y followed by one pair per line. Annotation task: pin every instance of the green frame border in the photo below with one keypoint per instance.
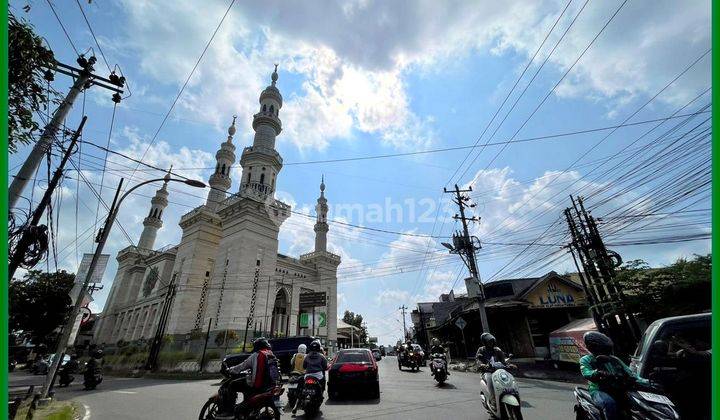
x,y
4,206
715,24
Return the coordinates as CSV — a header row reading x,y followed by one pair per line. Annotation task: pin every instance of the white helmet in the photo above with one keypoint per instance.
x,y
302,349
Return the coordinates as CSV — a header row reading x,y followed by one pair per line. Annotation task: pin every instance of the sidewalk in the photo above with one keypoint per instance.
x,y
539,369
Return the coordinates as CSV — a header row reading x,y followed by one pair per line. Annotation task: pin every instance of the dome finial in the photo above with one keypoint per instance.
x,y
322,184
231,129
167,178
274,76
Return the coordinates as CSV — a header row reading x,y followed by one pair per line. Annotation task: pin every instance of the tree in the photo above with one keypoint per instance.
x,y
40,303
28,93
356,320
681,288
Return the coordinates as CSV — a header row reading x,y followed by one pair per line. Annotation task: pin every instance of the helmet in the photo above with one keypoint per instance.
x,y
435,342
408,342
261,344
488,340
302,349
598,343
315,346
97,354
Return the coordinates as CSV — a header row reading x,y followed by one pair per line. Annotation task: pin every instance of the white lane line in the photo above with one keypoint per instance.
x,y
87,412
126,392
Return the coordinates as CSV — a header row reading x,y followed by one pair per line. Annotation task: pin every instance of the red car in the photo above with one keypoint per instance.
x,y
353,370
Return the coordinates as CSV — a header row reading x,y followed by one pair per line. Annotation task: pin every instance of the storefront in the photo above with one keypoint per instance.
x,y
521,313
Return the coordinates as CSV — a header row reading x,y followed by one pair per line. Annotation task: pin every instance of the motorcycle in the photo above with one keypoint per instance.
x,y
295,381
311,397
65,377
439,368
92,377
409,359
262,406
504,401
635,401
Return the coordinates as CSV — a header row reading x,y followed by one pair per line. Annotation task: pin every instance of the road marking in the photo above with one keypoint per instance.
x,y
126,392
87,412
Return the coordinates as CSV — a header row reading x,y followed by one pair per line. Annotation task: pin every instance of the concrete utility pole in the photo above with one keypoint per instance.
x,y
26,241
463,245
84,78
607,300
403,309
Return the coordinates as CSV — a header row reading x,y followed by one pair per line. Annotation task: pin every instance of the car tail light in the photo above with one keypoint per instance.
x,y
354,367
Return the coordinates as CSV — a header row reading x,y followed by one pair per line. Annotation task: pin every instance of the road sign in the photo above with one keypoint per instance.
x,y
306,320
99,271
461,323
313,299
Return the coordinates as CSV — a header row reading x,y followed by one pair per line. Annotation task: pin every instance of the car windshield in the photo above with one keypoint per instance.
x,y
353,357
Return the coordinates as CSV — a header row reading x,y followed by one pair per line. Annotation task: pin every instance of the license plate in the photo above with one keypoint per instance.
x,y
292,386
655,397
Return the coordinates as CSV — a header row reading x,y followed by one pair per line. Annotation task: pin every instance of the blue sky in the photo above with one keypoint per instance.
x,y
368,78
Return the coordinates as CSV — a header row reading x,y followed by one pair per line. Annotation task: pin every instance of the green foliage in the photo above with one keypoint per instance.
x,y
196,334
356,320
679,289
40,303
222,336
28,94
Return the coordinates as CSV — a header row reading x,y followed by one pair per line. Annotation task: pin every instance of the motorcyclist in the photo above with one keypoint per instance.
x,y
436,348
407,347
485,353
315,362
599,373
255,383
298,358
93,367
69,368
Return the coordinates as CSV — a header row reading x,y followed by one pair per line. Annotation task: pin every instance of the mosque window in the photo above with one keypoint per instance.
x,y
272,109
160,215
264,108
262,178
223,169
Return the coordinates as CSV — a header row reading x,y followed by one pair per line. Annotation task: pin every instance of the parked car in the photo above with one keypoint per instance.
x,y
675,353
41,366
353,370
377,355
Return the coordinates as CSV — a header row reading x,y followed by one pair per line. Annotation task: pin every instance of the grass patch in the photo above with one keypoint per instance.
x,y
56,410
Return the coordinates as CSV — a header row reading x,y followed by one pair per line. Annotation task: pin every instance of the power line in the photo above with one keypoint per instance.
x,y
187,80
72,44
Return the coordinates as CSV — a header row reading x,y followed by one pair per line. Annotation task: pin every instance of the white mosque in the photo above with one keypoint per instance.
x,y
226,271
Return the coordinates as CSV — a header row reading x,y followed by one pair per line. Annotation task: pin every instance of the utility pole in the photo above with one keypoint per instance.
x,y
84,78
607,301
463,244
403,309
28,232
253,297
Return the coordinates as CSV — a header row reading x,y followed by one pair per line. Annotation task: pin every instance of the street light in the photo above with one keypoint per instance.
x,y
103,236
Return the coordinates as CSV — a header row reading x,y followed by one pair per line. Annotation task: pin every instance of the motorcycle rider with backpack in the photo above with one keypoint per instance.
x,y
264,374
598,368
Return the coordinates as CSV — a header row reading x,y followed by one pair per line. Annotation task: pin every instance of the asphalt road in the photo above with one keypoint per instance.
x,y
403,395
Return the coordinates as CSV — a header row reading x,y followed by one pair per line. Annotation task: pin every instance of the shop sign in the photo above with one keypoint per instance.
x,y
556,294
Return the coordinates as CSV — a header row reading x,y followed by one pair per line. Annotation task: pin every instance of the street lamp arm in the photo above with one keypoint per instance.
x,y
191,182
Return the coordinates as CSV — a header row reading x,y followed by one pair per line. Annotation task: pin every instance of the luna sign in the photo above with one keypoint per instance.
x,y
554,295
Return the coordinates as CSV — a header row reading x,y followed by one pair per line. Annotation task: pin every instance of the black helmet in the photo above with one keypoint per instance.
x,y
488,340
261,344
598,343
315,346
97,354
